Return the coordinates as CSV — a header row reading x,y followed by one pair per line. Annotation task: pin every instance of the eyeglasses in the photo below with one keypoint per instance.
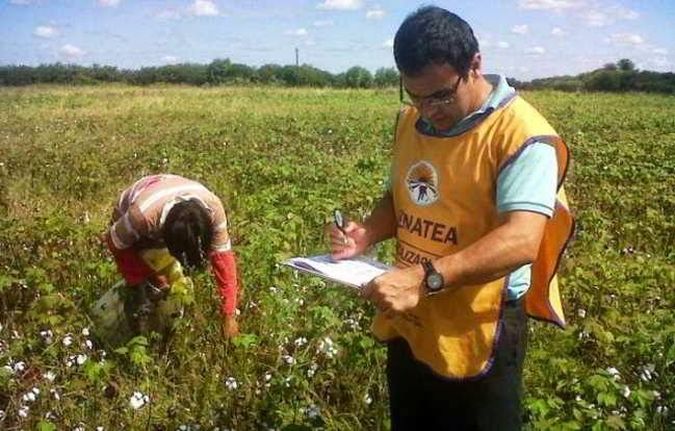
x,y
440,98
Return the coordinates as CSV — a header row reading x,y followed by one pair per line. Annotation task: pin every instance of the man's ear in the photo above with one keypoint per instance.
x,y
475,66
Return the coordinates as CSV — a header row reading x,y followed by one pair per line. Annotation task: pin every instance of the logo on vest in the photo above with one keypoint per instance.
x,y
422,183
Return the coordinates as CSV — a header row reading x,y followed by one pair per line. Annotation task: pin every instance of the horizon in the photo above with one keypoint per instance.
x,y
521,39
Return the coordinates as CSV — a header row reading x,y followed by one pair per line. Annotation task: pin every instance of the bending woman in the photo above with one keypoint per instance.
x,y
182,215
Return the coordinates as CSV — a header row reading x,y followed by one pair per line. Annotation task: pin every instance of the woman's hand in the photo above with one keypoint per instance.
x,y
230,327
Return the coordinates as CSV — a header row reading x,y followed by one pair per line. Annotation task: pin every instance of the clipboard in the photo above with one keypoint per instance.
x,y
355,272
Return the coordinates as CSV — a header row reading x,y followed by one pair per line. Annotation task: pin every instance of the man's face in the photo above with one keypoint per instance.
x,y
440,94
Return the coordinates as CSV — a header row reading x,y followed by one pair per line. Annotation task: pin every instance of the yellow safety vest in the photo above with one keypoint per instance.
x,y
444,192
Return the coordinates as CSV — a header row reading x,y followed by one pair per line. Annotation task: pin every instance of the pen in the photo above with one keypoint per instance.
x,y
340,223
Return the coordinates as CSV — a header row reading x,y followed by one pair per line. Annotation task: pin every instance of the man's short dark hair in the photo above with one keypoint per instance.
x,y
434,35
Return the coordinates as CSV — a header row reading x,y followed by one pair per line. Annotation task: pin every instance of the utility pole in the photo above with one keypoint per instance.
x,y
297,57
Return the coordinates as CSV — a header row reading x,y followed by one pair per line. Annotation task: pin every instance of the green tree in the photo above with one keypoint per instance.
x,y
358,77
386,77
626,65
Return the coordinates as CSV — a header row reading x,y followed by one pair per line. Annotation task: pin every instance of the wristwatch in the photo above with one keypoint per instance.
x,y
433,280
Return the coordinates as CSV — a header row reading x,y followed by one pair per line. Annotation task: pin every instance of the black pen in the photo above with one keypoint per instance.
x,y
340,223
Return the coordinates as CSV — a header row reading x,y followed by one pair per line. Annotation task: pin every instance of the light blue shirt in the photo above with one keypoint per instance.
x,y
528,183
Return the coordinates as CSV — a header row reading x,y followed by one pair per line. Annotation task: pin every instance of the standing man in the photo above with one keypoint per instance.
x,y
477,208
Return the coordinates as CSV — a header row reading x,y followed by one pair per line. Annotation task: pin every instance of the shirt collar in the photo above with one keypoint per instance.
x,y
500,95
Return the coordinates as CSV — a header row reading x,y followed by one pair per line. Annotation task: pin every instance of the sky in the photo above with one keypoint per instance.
x,y
523,39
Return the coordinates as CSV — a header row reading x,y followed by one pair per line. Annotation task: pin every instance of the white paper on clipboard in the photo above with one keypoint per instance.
x,y
355,272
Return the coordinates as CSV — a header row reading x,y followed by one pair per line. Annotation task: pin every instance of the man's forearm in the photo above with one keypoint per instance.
x,y
497,254
381,223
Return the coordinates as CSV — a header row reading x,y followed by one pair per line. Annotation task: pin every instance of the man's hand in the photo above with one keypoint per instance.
x,y
230,327
354,243
397,290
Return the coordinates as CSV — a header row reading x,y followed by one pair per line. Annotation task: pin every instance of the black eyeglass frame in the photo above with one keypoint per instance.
x,y
429,101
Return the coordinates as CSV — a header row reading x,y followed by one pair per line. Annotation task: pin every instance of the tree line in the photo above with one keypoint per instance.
x,y
218,72
621,76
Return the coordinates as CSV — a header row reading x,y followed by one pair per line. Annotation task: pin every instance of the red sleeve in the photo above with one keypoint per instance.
x,y
225,270
132,267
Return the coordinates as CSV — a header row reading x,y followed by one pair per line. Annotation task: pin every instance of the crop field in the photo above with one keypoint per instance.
x,y
282,160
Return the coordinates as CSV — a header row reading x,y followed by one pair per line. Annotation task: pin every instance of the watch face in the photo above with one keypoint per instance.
x,y
434,282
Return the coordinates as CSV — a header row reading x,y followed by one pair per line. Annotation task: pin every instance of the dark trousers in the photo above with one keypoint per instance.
x,y
421,399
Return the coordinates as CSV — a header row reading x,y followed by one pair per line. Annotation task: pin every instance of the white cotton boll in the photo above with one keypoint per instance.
x,y
231,383
47,336
313,412
625,392
19,366
55,394
88,344
581,313
81,359
85,332
367,399
29,397
23,411
138,400
614,372
67,340
50,375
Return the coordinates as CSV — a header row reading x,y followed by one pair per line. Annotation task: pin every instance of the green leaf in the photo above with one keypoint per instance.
x,y
245,340
46,426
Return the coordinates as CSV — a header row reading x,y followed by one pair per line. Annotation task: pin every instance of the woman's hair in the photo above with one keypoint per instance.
x,y
432,35
187,233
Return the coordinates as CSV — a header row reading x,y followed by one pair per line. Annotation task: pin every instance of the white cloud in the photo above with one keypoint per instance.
x,y
535,50
519,29
71,52
503,44
309,42
323,23
607,16
170,59
45,31
620,12
20,2
595,18
297,32
626,39
204,8
340,5
389,43
375,14
168,14
660,51
557,31
108,3
555,5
